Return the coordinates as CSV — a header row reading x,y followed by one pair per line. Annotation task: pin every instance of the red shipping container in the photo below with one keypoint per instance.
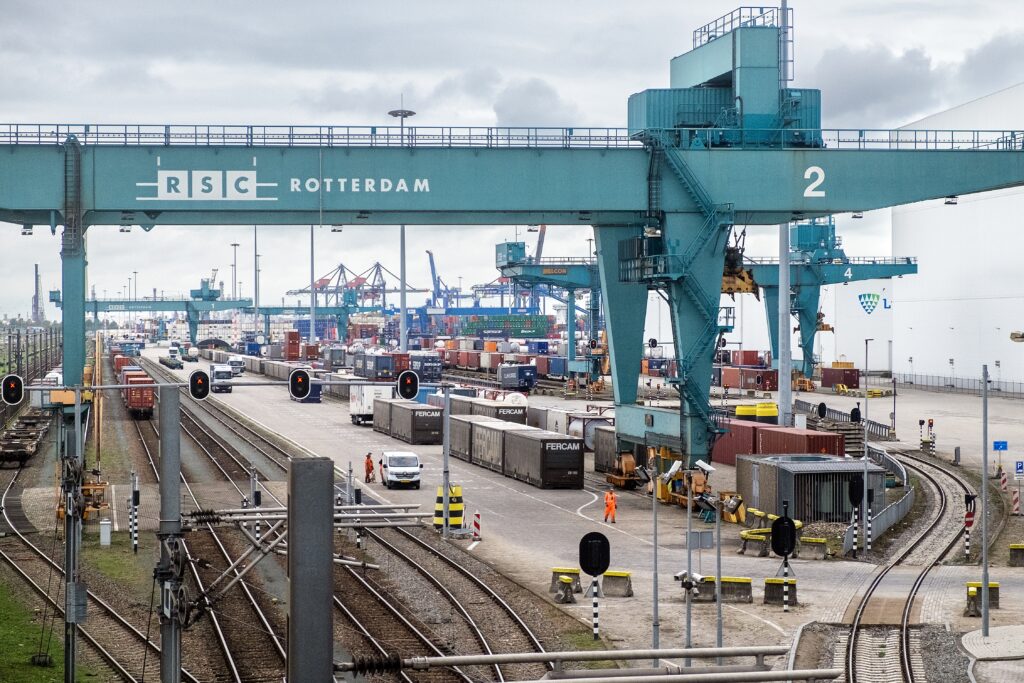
x,y
523,358
472,360
311,351
731,377
139,401
741,440
401,361
291,336
543,363
786,440
848,376
769,379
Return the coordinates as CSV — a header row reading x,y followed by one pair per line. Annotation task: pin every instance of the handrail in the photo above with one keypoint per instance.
x,y
799,258
128,135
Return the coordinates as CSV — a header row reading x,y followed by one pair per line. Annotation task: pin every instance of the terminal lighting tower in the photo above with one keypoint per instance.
x,y
403,322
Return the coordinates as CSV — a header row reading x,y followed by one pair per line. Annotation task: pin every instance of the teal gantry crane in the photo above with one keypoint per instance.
x,y
816,259
205,299
728,140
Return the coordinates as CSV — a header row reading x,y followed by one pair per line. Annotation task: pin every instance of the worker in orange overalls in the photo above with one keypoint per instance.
x,y
610,501
369,468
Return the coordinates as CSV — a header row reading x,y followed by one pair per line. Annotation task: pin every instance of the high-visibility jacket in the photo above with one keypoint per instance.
x,y
609,500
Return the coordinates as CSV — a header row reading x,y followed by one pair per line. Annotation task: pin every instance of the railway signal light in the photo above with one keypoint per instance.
x,y
298,384
199,385
13,390
408,385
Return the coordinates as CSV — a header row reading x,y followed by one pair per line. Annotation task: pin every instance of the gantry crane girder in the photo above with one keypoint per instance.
x,y
192,308
662,194
806,281
816,259
568,273
340,313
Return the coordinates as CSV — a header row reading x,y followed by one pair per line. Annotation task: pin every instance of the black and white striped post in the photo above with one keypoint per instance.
x,y
133,514
869,527
256,496
967,544
785,583
857,540
593,588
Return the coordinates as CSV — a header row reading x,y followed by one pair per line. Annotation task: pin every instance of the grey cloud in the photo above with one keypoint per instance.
x,y
480,82
533,102
875,87
995,65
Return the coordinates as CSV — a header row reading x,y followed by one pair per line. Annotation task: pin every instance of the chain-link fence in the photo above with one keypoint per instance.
x,y
953,385
30,354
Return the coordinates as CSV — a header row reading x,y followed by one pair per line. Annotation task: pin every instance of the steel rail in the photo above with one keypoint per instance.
x,y
281,650
483,585
217,629
106,608
424,638
477,632
905,664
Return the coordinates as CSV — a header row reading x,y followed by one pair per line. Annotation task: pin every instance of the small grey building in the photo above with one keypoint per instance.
x,y
816,486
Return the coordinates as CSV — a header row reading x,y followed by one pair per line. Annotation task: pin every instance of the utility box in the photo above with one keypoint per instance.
x,y
105,527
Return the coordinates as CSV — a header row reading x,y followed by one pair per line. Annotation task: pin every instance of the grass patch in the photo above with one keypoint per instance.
x,y
19,640
584,640
119,564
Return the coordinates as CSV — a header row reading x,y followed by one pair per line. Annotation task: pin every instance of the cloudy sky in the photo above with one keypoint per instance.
x,y
573,62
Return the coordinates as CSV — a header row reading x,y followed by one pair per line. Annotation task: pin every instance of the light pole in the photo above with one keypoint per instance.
x,y
403,330
234,271
867,483
312,289
984,502
135,296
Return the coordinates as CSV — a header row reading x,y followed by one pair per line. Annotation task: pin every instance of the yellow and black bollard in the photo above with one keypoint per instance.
x,y
455,507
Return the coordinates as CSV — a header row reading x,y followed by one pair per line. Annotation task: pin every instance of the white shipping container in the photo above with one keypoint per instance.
x,y
361,398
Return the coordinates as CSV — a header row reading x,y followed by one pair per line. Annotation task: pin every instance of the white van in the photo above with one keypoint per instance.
x,y
401,468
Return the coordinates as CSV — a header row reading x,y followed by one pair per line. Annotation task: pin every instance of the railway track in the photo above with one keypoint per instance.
x,y
483,616
872,640
248,637
124,648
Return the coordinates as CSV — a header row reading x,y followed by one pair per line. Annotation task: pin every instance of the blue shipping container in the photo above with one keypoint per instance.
x,y
540,347
557,367
252,349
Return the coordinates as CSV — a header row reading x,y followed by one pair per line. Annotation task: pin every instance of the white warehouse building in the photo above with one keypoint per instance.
x,y
958,312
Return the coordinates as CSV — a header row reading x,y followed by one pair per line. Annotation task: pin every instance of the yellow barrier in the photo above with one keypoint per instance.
x,y
455,507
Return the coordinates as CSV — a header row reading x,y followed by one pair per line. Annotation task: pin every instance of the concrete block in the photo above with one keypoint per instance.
x,y
993,593
564,591
819,546
572,572
773,591
1017,554
618,584
734,589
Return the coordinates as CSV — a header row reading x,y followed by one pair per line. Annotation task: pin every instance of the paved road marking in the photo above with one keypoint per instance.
x,y
473,545
759,618
593,499
113,506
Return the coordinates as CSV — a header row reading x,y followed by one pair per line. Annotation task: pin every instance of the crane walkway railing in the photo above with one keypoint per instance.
x,y
495,137
796,258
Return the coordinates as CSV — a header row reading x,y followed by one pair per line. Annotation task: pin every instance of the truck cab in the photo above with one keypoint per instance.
x,y
237,365
172,352
220,378
401,468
